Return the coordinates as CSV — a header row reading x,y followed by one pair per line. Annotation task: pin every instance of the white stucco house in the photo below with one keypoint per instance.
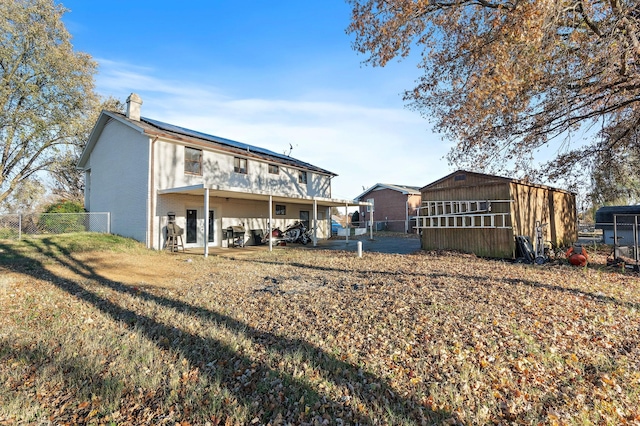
x,y
141,170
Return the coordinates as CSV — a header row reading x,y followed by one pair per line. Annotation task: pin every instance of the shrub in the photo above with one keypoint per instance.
x,y
57,218
355,218
65,207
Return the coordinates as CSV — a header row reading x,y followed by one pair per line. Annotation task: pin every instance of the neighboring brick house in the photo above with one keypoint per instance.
x,y
142,171
394,206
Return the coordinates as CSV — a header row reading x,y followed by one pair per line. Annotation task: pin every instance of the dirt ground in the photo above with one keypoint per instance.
x,y
162,272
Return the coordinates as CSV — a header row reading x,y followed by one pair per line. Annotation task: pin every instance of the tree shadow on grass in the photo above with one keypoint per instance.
x,y
598,297
468,278
375,394
79,382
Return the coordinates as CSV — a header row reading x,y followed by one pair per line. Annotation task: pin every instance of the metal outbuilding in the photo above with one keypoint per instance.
x,y
626,220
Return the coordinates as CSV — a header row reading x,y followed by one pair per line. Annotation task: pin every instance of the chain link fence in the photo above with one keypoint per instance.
x,y
401,226
380,227
15,226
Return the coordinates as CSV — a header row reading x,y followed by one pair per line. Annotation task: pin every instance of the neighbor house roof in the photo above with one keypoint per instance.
x,y
403,189
604,215
153,127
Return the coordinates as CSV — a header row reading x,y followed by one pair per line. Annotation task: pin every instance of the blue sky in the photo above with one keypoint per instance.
x,y
268,74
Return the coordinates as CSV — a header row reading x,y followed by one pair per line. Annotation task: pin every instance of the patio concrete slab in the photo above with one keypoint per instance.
x,y
382,244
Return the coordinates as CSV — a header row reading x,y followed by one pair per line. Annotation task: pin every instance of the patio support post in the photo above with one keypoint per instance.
x,y
635,238
406,216
315,222
615,237
270,224
371,224
206,222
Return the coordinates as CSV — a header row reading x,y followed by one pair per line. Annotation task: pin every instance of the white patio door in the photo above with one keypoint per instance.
x,y
194,232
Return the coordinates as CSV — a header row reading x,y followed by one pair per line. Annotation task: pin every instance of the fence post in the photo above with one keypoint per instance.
x,y
108,222
635,239
19,226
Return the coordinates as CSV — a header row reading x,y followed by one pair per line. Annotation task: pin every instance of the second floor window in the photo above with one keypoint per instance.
x,y
192,161
274,169
240,165
302,177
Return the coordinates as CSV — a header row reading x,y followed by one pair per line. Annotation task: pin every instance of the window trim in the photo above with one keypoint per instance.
x,y
371,208
189,170
238,169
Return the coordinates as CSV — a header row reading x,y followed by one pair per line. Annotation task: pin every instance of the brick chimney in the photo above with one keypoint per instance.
x,y
133,107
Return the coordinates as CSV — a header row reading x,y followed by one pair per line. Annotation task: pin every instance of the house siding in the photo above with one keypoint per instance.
x,y
121,152
218,169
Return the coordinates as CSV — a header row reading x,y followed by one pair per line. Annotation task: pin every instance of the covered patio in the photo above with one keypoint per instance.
x,y
206,193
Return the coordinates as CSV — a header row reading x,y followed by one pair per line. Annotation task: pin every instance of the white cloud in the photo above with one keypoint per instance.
x,y
364,145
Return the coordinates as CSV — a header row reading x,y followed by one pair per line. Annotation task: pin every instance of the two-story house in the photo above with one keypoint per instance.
x,y
143,170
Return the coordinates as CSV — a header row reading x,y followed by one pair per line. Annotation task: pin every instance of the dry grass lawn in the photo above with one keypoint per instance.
x,y
97,331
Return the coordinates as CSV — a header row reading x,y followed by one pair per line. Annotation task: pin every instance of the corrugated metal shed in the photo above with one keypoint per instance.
x,y
626,221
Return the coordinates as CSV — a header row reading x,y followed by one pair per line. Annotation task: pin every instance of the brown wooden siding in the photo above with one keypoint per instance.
x,y
555,208
495,191
462,179
531,203
486,242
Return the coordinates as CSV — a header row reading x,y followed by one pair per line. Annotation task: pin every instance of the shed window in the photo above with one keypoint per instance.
x,y
240,165
274,169
281,209
459,177
192,161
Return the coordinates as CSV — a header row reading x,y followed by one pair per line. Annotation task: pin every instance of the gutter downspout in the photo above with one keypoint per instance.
x,y
152,193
